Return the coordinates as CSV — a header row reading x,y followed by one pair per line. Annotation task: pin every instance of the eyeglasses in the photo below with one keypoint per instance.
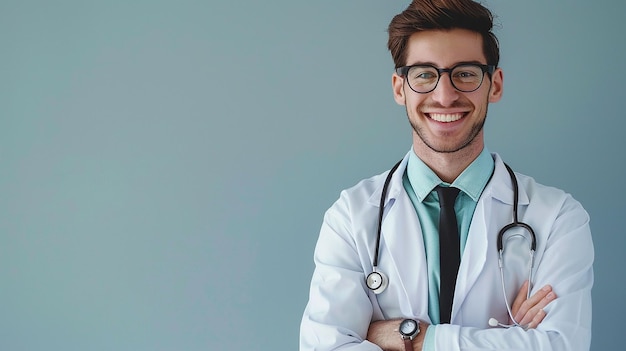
x,y
465,77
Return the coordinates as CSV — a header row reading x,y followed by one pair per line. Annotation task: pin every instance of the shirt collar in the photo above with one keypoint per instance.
x,y
471,181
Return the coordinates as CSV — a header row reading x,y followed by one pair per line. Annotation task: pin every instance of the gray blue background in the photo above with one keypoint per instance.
x,y
165,165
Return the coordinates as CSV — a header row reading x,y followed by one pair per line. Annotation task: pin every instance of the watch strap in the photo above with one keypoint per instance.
x,y
408,344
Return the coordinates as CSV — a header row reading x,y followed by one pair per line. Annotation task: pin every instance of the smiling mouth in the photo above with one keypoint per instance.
x,y
445,117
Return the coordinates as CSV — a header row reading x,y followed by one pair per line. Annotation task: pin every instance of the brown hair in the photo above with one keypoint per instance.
x,y
423,15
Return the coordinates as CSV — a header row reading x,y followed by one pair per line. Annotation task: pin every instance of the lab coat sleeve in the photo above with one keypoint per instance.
x,y
566,264
339,311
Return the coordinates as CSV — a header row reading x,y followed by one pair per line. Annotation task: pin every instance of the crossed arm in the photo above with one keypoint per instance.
x,y
526,312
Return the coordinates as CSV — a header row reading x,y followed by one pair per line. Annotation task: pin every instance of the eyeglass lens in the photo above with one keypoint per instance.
x,y
465,78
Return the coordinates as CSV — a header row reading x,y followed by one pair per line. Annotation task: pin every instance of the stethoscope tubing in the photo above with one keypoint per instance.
x,y
381,212
516,222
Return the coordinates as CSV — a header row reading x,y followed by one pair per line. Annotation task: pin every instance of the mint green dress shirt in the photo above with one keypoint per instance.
x,y
419,182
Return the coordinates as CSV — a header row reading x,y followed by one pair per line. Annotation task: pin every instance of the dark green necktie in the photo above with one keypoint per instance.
x,y
449,250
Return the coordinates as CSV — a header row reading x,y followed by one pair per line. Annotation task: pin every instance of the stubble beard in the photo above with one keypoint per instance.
x,y
474,131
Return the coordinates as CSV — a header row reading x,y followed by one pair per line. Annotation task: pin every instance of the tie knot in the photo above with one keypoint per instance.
x,y
447,196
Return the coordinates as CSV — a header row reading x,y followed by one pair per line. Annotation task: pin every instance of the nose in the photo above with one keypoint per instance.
x,y
445,93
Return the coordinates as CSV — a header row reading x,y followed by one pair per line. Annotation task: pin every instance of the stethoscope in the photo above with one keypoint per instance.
x,y
377,281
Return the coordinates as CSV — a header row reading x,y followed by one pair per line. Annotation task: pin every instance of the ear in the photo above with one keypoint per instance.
x,y
497,80
397,83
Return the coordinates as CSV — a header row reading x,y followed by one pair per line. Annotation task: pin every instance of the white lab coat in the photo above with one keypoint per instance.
x,y
341,307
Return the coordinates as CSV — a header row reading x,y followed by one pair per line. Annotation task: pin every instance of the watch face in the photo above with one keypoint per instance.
x,y
408,327
374,280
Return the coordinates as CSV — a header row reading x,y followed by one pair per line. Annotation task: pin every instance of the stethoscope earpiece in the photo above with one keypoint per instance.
x,y
494,323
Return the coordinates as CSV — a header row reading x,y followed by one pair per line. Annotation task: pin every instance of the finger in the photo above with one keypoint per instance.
x,y
541,314
528,308
535,299
538,308
520,298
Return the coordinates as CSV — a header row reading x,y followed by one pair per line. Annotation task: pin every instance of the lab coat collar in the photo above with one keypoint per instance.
x,y
395,186
499,187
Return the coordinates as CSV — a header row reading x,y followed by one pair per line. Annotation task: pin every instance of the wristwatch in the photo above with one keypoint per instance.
x,y
409,329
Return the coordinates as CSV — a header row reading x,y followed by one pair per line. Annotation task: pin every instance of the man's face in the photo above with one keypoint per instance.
x,y
447,120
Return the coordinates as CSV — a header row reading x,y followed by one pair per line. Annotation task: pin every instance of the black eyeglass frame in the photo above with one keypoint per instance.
x,y
404,70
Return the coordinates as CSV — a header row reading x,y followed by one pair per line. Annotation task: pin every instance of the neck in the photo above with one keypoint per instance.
x,y
448,165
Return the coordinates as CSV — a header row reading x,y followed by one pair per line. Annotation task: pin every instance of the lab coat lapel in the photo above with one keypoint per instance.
x,y
402,248
493,211
475,253
403,243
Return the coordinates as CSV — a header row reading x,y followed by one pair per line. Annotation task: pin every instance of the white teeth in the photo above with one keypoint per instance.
x,y
441,117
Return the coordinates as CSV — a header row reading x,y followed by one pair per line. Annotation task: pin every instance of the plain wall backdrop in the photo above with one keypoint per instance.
x,y
165,165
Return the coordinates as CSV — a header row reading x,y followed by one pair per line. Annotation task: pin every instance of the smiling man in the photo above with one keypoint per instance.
x,y
450,249
447,115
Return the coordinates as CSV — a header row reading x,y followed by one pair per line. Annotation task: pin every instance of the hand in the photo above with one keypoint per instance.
x,y
530,312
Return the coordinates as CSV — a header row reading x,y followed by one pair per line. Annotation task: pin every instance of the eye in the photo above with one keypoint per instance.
x,y
425,75
466,74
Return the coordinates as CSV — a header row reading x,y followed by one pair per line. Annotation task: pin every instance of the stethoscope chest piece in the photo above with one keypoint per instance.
x,y
377,281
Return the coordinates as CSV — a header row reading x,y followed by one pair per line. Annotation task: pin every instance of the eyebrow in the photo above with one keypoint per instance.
x,y
429,63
